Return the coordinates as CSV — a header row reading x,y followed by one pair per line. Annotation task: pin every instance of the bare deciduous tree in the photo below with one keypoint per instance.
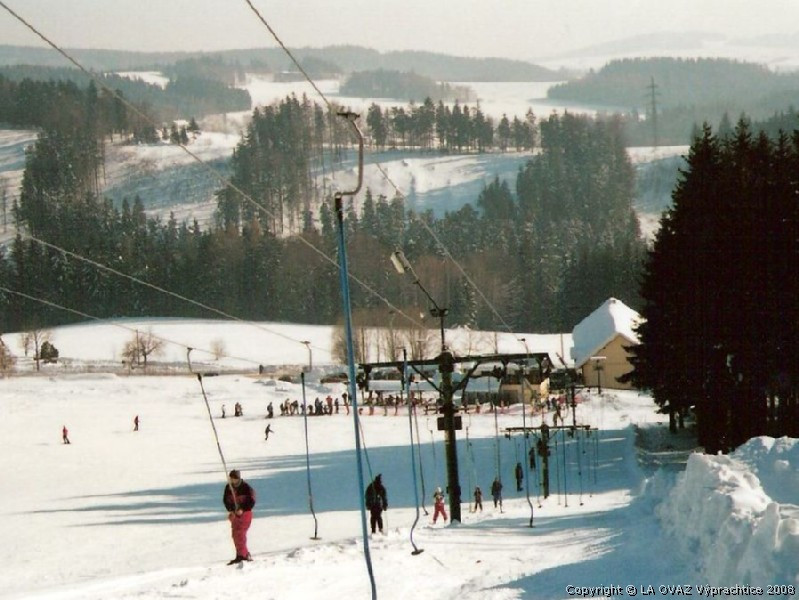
x,y
33,340
138,349
339,349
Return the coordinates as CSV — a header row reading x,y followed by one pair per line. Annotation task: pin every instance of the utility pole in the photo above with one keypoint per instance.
x,y
543,452
446,365
653,111
347,310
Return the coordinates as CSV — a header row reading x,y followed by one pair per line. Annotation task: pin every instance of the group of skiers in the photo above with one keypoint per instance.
x,y
238,410
239,500
328,406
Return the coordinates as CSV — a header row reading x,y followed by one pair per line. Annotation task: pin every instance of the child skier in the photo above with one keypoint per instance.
x,y
438,503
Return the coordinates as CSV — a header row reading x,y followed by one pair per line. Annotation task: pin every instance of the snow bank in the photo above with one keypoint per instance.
x,y
720,514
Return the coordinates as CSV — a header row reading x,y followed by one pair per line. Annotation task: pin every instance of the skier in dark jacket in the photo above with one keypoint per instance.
x,y
239,500
376,502
519,472
496,492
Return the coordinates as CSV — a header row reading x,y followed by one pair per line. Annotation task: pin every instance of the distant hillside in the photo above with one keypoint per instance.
x,y
436,66
687,93
441,67
99,60
667,43
722,84
183,97
402,86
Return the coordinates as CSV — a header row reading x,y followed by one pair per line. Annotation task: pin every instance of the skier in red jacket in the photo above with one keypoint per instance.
x,y
239,500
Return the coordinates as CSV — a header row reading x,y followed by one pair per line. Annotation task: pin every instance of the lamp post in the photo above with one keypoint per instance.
x,y
598,368
310,355
446,365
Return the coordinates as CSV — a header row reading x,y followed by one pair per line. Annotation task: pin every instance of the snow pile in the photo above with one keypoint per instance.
x,y
719,513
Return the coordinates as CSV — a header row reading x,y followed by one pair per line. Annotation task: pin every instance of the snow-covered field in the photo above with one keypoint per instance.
x,y
124,514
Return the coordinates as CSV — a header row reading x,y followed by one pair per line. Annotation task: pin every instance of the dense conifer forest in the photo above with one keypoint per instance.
x,y
29,95
569,219
719,291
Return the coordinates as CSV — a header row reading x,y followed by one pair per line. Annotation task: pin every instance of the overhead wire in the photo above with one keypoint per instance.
x,y
115,324
288,52
224,180
383,172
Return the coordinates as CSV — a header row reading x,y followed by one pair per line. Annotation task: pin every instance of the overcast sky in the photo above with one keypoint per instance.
x,y
524,29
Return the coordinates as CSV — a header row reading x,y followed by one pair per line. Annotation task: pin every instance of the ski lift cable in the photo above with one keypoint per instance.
x,y
496,435
347,312
525,383
157,288
308,459
436,474
119,325
557,462
216,434
299,66
365,451
288,52
406,390
224,180
470,467
384,173
419,454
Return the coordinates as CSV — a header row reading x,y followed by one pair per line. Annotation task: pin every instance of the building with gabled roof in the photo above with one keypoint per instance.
x,y
600,341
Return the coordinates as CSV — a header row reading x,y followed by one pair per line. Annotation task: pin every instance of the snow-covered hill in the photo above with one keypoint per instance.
x,y
168,179
123,514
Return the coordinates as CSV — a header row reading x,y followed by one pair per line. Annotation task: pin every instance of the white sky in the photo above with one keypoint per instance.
x,y
525,29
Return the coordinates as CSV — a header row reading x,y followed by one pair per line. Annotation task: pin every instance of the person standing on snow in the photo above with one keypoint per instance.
x,y
478,499
519,476
239,500
438,504
267,431
496,492
136,423
65,435
376,501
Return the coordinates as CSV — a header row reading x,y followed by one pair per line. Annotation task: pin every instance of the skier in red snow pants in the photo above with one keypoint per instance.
x,y
438,504
239,500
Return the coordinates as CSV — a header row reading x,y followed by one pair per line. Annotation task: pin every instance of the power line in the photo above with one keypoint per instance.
x,y
447,253
290,55
131,329
383,172
199,160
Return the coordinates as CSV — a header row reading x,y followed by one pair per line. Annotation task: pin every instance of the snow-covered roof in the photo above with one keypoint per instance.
x,y
601,326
